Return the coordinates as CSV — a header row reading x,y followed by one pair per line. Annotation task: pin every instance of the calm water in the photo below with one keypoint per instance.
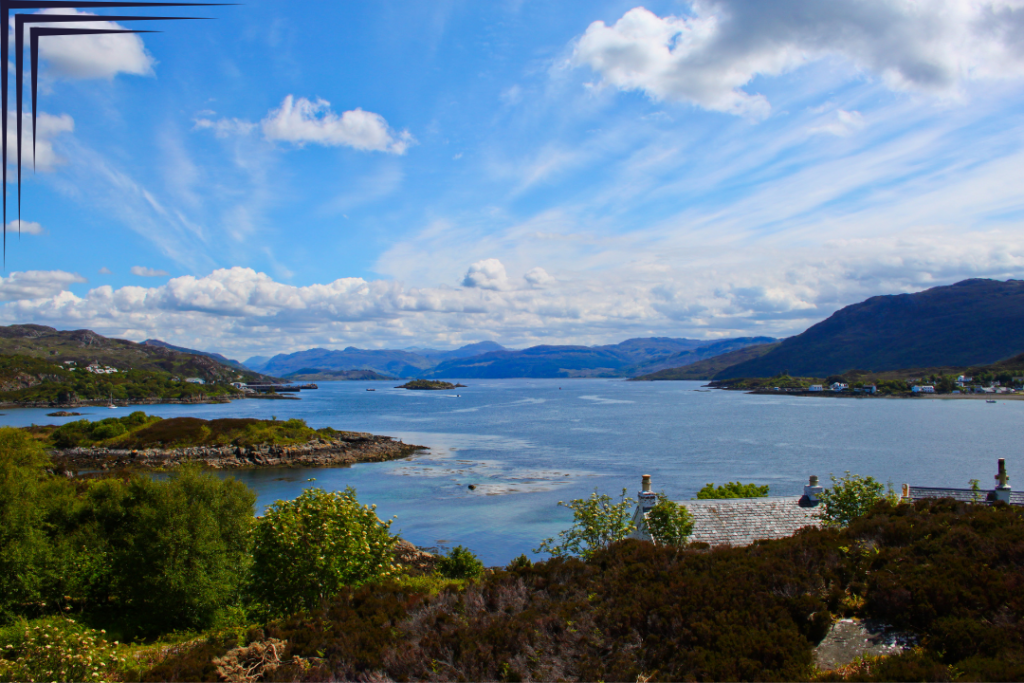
x,y
527,444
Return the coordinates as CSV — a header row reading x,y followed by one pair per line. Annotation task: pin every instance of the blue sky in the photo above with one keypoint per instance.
x,y
389,174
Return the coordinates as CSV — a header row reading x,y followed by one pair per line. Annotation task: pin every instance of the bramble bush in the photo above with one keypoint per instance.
x,y
596,523
669,523
733,489
306,550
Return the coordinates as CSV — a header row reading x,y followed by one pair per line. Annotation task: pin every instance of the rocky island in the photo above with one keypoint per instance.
x,y
429,385
141,441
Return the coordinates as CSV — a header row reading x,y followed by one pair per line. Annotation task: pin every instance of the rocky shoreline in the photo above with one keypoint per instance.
x,y
348,449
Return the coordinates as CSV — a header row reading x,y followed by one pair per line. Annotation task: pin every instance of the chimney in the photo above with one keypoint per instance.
x,y
646,498
811,490
1002,491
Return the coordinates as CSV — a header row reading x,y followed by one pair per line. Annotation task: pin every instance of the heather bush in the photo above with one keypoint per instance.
x,y
308,549
596,523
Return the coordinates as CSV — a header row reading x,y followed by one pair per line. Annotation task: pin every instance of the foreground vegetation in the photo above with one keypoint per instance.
x,y
200,589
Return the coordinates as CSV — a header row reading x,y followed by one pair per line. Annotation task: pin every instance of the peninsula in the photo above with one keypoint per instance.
x,y
140,441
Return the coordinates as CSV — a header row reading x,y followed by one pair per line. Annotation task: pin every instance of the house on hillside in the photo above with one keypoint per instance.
x,y
737,521
926,389
195,380
839,386
1002,491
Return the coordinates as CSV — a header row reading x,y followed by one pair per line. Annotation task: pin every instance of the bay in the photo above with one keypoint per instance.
x,y
526,444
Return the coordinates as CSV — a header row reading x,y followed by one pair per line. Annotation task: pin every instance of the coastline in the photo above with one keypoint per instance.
x,y
120,403
928,397
348,449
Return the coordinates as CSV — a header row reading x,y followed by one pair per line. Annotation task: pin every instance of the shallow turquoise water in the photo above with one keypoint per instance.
x,y
527,444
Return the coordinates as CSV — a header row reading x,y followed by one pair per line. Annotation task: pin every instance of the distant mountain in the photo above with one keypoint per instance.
x,y
386,362
709,354
973,322
216,356
613,360
256,362
710,367
314,375
461,352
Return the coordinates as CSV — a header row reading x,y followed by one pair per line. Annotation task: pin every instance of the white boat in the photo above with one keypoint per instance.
x,y
110,404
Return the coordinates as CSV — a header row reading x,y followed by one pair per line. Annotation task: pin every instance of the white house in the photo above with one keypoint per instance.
x,y
195,380
815,387
839,386
926,389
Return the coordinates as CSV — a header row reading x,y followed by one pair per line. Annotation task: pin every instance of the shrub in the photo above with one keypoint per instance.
x,y
22,540
669,523
460,563
179,549
850,497
307,549
59,650
733,489
596,523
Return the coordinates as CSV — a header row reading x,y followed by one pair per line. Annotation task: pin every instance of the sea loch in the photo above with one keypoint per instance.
x,y
527,444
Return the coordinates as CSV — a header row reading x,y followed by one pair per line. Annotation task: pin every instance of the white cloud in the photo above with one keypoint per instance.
x,y
143,271
486,274
26,227
302,121
840,123
36,284
48,127
539,278
94,56
106,271
709,56
223,128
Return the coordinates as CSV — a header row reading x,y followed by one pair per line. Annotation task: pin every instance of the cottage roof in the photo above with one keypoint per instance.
x,y
741,521
963,495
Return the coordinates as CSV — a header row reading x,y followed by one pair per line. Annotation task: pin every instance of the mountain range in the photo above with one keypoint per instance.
x,y
491,360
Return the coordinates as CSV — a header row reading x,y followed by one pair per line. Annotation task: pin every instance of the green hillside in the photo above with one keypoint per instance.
x,y
708,368
973,322
41,364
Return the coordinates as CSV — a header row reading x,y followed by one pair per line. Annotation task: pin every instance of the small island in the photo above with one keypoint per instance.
x,y
140,441
429,385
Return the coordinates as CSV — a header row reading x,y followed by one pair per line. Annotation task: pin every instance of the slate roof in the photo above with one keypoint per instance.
x,y
962,495
741,521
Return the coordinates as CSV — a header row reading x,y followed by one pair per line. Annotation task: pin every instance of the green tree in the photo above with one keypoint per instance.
x,y
669,523
733,489
307,549
946,384
596,523
460,563
22,540
852,496
179,549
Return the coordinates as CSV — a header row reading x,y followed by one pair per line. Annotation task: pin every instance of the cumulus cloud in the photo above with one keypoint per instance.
x,y
486,274
94,56
106,271
708,56
24,227
143,271
538,277
48,127
302,121
36,284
